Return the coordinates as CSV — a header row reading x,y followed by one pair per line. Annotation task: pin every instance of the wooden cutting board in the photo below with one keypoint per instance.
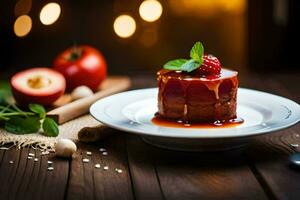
x,y
67,110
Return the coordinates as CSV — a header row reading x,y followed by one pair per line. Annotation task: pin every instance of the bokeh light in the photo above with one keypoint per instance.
x,y
150,10
124,26
22,26
207,8
50,13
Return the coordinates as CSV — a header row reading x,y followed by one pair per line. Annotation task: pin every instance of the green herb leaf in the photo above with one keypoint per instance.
x,y
197,52
195,62
20,125
50,127
175,64
3,98
182,65
190,65
5,92
39,109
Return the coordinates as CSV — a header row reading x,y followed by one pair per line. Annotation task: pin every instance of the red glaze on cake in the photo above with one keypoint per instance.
x,y
197,97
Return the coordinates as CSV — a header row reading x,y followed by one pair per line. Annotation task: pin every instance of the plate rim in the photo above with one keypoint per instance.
x,y
144,133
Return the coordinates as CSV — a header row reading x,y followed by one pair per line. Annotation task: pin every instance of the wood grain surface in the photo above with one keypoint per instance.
x,y
259,171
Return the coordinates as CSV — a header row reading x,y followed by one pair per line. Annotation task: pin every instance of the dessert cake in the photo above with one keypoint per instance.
x,y
197,90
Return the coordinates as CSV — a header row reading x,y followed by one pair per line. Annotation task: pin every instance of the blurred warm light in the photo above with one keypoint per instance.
x,y
207,8
22,7
149,37
124,26
50,13
22,26
150,10
233,6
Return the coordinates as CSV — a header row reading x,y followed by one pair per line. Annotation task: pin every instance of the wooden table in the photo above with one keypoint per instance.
x,y
259,171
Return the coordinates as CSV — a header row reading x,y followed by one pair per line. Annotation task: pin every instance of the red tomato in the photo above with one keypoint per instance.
x,y
82,65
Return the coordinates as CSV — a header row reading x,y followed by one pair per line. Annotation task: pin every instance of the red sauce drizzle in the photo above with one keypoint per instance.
x,y
160,121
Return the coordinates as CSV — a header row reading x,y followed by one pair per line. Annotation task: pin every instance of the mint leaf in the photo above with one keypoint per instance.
x,y
20,125
182,65
3,98
175,64
50,127
39,109
190,65
195,62
197,52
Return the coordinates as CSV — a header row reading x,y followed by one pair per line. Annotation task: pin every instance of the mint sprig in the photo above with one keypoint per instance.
x,y
190,65
196,54
38,109
175,64
19,121
21,125
50,127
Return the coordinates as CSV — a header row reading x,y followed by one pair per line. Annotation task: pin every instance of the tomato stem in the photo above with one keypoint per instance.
x,y
75,53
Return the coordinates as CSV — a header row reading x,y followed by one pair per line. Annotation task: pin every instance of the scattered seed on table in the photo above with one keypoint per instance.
x,y
11,162
45,153
36,159
97,166
105,153
105,168
50,168
294,145
88,153
31,154
119,171
102,149
29,157
49,162
85,160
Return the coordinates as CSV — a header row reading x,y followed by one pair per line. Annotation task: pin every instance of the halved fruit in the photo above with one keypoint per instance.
x,y
37,85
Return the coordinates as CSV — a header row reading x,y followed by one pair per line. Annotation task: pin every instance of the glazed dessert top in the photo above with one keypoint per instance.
x,y
200,66
224,74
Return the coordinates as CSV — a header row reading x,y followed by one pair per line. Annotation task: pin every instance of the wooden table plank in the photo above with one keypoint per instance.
x,y
269,154
2,152
219,175
24,175
142,168
55,181
27,179
7,170
87,182
269,157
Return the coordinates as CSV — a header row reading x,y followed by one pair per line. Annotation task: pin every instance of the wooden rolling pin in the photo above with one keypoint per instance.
x,y
79,107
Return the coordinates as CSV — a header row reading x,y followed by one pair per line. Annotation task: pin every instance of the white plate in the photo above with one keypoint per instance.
x,y
132,111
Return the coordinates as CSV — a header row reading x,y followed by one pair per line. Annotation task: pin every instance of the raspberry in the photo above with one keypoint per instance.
x,y
210,66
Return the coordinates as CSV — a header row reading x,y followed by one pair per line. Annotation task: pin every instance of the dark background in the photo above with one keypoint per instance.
x,y
245,35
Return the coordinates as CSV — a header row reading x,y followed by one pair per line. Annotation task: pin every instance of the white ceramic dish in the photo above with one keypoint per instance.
x,y
132,111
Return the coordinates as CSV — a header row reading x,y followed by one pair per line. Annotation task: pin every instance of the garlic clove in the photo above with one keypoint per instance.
x,y
81,92
65,148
